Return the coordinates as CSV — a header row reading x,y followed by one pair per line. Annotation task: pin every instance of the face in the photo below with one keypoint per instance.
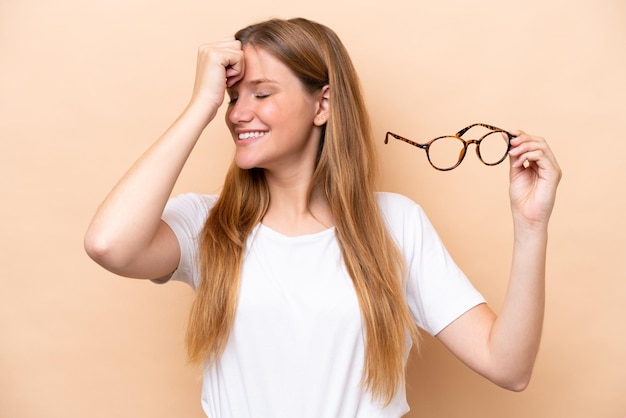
x,y
274,121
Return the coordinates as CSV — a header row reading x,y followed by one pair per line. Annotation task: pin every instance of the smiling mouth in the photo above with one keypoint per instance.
x,y
248,135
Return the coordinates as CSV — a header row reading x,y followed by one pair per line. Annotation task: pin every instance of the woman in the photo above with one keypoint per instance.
x,y
310,286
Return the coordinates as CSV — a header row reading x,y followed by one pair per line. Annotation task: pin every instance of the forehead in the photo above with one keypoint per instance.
x,y
261,65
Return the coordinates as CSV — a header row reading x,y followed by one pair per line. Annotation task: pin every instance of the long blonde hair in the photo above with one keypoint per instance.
x,y
345,172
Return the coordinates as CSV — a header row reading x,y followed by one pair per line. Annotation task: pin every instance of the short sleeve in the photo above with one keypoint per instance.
x,y
437,291
186,215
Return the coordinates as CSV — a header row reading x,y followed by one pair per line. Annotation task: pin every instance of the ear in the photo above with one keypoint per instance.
x,y
323,108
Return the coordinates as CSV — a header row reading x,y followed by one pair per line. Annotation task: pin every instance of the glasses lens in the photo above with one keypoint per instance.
x,y
493,148
445,152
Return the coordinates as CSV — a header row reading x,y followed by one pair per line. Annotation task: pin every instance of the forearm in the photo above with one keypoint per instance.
x,y
128,218
504,347
516,333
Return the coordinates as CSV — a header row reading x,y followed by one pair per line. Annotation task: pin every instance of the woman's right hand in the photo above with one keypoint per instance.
x,y
219,65
126,235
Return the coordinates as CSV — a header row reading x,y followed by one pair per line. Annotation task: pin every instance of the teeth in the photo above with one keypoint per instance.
x,y
247,135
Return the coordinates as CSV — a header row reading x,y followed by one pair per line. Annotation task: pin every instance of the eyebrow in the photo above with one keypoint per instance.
x,y
254,83
262,81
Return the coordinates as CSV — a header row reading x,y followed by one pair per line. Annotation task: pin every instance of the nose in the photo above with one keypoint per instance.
x,y
240,112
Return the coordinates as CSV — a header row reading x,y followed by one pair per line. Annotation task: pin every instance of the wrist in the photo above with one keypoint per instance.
x,y
199,112
530,231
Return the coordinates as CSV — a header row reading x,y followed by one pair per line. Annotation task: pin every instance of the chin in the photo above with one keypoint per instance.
x,y
245,164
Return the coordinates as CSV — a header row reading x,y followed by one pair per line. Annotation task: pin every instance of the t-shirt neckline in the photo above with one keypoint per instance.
x,y
305,237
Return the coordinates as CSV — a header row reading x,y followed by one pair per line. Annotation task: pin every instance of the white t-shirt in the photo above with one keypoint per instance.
x,y
296,348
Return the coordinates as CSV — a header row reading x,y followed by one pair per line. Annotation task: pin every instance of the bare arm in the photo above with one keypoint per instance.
x,y
503,347
126,235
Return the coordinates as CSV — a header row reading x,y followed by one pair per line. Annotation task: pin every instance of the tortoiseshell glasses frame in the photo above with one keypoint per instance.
x,y
491,161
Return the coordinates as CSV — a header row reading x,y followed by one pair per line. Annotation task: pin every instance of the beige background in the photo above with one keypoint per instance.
x,y
86,85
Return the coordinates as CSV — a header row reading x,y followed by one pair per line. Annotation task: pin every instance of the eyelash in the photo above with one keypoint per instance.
x,y
259,96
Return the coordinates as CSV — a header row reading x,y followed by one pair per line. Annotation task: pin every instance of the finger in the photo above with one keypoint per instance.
x,y
524,160
233,63
231,57
539,157
525,147
216,63
228,55
235,72
227,52
524,143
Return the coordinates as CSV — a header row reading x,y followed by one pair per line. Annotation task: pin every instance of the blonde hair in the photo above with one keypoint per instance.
x,y
346,173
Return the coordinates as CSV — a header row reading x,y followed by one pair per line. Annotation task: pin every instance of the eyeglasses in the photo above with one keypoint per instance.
x,y
446,152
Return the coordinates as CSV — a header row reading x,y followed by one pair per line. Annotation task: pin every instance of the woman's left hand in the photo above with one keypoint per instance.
x,y
534,177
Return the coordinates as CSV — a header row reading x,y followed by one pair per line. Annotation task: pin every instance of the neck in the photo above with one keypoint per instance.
x,y
295,211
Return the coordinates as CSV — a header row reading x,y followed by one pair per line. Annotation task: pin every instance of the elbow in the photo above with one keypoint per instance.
x,y
518,386
103,251
97,248
515,383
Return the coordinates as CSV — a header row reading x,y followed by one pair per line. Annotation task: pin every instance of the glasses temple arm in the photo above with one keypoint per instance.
x,y
403,139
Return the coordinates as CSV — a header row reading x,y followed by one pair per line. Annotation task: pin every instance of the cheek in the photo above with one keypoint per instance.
x,y
270,110
227,115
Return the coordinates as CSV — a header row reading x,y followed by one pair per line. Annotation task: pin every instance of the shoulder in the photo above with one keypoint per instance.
x,y
396,204
192,203
188,212
405,219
